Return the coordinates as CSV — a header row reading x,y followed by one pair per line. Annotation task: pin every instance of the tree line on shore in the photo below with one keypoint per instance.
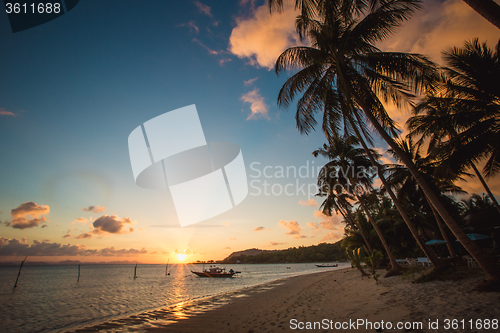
x,y
324,252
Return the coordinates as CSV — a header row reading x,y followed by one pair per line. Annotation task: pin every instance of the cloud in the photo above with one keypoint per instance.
x,y
259,229
94,209
249,82
4,112
31,209
310,202
276,243
438,26
203,8
191,25
108,224
14,247
210,51
329,222
293,228
331,236
80,220
227,248
84,236
314,226
257,105
223,61
261,38
67,236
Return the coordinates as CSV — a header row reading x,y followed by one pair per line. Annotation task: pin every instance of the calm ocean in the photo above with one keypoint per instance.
x,y
49,298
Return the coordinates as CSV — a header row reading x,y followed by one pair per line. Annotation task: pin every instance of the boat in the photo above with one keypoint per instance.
x,y
327,265
215,272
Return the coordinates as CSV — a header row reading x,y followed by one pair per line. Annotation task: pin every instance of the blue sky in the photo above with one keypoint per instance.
x,y
74,88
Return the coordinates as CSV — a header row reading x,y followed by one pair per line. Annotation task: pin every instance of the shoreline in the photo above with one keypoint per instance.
x,y
339,296
172,313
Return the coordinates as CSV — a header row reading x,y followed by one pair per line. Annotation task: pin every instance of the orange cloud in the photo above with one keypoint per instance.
x,y
261,37
250,82
314,226
4,112
108,224
257,105
31,209
310,202
15,247
438,26
332,236
94,209
259,229
203,8
293,228
329,222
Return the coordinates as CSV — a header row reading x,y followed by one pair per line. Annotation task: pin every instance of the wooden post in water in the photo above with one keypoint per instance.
x,y
135,271
78,274
18,274
166,269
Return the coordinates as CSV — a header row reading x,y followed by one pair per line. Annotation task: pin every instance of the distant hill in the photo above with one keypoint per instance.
x,y
324,252
249,252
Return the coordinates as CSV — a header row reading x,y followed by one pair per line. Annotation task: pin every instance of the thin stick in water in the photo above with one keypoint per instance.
x,y
18,274
78,274
135,271
166,269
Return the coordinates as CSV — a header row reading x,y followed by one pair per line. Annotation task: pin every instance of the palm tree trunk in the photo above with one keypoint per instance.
x,y
486,187
442,230
395,269
436,262
361,231
488,9
486,262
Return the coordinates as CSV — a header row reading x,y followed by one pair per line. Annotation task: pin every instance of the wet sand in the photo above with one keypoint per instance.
x,y
333,300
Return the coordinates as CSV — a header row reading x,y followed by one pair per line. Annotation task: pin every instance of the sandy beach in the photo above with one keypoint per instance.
x,y
336,301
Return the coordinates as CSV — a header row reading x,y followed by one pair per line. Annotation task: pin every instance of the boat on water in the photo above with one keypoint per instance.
x,y
215,272
327,265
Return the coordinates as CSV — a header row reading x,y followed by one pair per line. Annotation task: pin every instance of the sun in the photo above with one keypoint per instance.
x,y
181,257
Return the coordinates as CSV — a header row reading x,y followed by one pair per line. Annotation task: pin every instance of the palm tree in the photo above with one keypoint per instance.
x,y
404,180
347,171
438,119
343,73
488,9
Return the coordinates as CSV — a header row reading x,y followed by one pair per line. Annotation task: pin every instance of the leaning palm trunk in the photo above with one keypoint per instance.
x,y
487,9
361,231
442,230
436,262
486,187
486,263
395,269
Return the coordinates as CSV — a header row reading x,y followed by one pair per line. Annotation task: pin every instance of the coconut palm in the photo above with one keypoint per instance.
x,y
347,171
438,119
342,74
400,177
488,9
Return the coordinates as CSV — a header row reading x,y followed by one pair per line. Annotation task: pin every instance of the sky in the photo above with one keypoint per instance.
x,y
74,88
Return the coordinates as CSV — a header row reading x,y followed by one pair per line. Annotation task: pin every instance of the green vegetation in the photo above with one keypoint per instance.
x,y
323,252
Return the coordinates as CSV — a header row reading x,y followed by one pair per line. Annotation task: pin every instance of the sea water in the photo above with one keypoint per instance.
x,y
49,298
